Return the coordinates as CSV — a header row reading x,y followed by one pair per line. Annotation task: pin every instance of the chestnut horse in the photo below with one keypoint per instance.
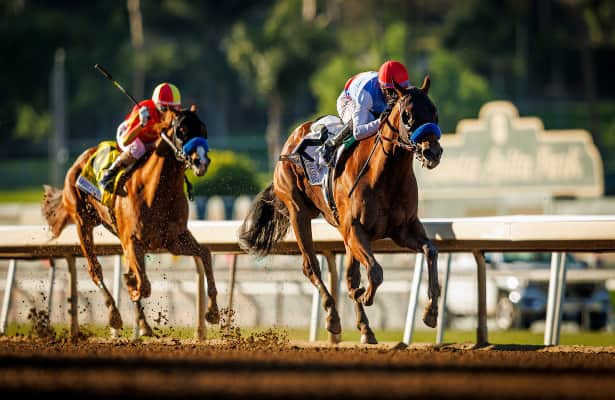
x,y
149,213
376,194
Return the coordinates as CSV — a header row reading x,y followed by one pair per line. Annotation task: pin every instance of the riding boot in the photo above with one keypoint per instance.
x,y
122,161
328,149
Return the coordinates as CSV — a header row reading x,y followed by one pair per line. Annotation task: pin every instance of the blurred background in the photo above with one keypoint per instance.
x,y
256,69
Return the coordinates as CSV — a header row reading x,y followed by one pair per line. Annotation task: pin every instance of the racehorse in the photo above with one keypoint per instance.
x,y
149,212
376,194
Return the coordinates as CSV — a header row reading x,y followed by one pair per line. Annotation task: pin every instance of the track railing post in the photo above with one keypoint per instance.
x,y
74,297
201,299
8,293
117,281
231,285
442,305
52,278
414,298
481,280
557,288
334,287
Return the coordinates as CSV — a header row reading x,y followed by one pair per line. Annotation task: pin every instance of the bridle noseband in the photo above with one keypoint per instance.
x,y
407,144
176,143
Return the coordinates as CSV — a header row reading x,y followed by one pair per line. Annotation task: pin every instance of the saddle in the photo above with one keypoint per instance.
x,y
306,156
97,164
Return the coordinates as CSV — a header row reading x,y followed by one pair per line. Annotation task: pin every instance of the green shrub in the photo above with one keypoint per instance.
x,y
229,174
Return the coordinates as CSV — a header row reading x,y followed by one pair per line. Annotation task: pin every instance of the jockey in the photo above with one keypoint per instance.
x,y
135,136
364,97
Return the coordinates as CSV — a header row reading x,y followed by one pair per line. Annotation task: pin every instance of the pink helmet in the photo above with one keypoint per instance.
x,y
392,72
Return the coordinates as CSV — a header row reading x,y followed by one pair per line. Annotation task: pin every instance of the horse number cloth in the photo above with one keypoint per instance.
x,y
94,169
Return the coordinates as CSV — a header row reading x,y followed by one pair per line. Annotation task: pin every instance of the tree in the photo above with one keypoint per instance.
x,y
275,56
457,91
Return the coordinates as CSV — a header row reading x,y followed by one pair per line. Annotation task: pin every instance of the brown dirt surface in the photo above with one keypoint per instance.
x,y
268,365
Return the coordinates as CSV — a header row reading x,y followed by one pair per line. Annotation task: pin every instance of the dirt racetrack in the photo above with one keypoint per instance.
x,y
269,367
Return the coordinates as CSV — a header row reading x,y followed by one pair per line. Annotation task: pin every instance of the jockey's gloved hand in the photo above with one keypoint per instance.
x,y
143,115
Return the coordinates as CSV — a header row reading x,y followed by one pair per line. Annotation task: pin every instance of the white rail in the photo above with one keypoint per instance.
x,y
557,234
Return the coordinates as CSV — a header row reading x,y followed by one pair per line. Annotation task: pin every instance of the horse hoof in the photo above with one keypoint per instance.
x,y
368,338
135,295
335,338
367,299
115,319
430,318
334,326
145,330
212,316
356,294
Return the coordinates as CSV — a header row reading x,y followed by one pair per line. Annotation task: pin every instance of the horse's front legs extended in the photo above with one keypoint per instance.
x,y
360,246
186,245
415,238
353,280
86,242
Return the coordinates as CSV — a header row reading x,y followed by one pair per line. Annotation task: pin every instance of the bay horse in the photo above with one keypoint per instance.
x,y
149,212
376,194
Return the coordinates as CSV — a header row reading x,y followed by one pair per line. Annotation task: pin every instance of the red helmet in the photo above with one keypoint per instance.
x,y
393,71
167,95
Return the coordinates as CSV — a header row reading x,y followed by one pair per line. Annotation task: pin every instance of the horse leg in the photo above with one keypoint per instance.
x,y
136,279
187,245
138,284
86,241
359,244
144,328
302,227
353,280
415,238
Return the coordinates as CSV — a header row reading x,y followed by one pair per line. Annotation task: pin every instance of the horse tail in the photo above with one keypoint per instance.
x,y
265,225
53,210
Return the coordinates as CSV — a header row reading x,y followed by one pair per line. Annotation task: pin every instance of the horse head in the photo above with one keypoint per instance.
x,y
186,134
418,123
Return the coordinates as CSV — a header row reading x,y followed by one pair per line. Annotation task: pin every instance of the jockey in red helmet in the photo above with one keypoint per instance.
x,y
364,97
135,136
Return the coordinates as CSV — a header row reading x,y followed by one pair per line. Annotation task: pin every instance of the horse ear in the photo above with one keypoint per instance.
x,y
426,84
193,108
399,89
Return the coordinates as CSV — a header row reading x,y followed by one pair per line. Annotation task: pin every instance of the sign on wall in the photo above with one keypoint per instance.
x,y
502,154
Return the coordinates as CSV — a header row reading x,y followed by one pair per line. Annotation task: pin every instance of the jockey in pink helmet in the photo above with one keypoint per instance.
x,y
135,136
364,97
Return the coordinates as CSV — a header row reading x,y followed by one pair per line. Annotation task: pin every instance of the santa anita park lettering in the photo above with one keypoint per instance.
x,y
501,154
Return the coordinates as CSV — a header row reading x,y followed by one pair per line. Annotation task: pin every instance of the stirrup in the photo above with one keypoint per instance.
x,y
328,152
106,182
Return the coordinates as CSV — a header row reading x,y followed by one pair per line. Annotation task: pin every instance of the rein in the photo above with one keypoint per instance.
x,y
179,156
411,147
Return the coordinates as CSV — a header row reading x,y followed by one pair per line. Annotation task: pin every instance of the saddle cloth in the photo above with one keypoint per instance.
x,y
307,148
97,164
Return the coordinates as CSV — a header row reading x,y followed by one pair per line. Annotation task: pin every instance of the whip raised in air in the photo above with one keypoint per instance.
x,y
107,75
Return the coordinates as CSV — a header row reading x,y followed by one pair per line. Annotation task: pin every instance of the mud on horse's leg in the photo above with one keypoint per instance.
x,y
353,280
85,231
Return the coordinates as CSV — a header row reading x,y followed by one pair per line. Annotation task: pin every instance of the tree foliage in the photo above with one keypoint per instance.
x,y
258,67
